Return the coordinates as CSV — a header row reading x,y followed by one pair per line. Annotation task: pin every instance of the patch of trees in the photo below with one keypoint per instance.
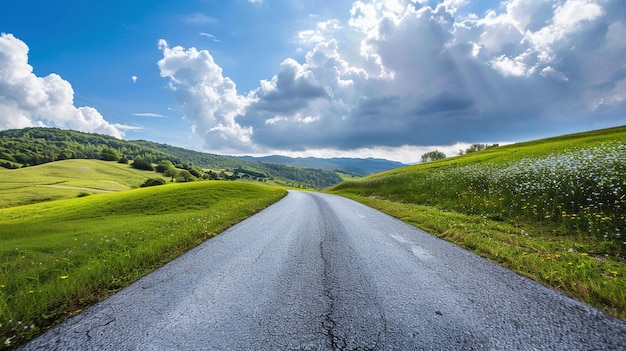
x,y
153,182
433,156
35,146
143,164
476,148
317,178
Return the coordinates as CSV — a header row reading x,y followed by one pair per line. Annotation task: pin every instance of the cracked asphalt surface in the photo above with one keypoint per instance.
x,y
320,272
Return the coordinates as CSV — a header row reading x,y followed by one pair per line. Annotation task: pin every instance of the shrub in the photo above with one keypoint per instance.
x,y
153,182
142,163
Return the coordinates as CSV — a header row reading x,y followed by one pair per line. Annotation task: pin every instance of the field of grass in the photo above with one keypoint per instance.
x,y
553,209
58,257
67,179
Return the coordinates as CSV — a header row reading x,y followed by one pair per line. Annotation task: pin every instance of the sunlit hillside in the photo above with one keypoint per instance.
x,y
67,179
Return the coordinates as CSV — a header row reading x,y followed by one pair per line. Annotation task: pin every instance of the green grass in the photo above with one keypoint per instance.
x,y
58,257
67,179
553,210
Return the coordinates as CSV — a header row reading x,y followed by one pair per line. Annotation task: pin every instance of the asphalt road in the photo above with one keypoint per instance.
x,y
319,272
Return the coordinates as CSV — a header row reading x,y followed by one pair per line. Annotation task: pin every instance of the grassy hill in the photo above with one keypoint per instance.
x,y
36,146
60,256
552,209
67,179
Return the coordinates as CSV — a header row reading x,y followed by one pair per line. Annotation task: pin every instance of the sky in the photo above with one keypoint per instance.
x,y
389,79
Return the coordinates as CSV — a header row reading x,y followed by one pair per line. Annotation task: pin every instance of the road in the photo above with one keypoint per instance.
x,y
320,272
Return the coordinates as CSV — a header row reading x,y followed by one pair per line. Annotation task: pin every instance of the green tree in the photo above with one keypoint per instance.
x,y
109,154
433,155
153,182
142,163
171,172
164,166
186,176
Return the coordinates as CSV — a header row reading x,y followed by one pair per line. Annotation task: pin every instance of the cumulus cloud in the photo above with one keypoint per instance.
x,y
207,98
27,100
134,79
402,73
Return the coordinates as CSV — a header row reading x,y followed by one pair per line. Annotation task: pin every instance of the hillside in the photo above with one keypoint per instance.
x,y
35,146
553,210
357,166
67,179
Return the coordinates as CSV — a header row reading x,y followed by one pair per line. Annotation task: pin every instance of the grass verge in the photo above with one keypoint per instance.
x,y
61,256
573,266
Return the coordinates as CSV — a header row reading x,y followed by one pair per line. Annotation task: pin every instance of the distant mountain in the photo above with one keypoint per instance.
x,y
357,166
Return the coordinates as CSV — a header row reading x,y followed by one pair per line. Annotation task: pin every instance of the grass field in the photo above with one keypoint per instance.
x,y
67,179
553,210
58,257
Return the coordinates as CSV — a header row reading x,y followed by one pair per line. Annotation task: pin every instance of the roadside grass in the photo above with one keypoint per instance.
x,y
553,210
59,257
67,179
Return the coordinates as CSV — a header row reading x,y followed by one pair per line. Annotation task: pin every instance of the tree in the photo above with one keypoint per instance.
x,y
433,155
479,147
109,154
186,176
142,163
164,166
153,182
171,172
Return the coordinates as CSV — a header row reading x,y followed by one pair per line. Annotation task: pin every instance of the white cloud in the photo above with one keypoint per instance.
x,y
207,98
197,19
149,114
210,36
401,74
134,79
27,100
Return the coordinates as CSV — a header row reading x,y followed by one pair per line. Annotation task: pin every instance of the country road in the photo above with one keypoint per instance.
x,y
320,272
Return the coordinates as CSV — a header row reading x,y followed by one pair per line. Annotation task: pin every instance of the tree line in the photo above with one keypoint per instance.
x,y
438,155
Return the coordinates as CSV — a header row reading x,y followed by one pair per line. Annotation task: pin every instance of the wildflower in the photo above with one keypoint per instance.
x,y
63,277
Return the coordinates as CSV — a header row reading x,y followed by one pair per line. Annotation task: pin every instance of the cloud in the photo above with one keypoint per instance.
x,y
207,98
148,114
27,100
197,19
134,79
401,74
210,36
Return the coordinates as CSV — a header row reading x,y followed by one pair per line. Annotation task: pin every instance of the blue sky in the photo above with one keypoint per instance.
x,y
388,79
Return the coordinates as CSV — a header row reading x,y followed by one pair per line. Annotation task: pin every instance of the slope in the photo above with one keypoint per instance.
x,y
552,209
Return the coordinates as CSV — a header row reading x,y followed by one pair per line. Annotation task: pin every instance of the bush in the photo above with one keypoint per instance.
x,y
153,182
142,163
109,154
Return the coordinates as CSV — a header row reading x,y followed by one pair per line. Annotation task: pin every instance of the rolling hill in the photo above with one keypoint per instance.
x,y
34,146
356,166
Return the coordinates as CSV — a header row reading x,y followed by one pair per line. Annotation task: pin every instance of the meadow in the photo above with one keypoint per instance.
x,y
67,179
553,210
58,257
